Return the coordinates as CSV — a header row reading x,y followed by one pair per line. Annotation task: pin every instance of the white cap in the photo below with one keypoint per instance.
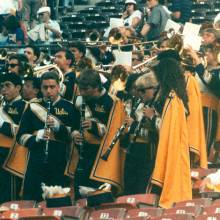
x,y
130,1
43,9
217,18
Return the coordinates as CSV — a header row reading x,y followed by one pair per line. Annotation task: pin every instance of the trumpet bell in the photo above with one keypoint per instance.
x,y
93,37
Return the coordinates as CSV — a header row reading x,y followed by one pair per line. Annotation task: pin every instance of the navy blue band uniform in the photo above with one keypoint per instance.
x,y
98,111
141,157
11,113
52,172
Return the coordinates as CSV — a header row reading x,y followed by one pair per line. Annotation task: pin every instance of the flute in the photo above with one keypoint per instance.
x,y
47,130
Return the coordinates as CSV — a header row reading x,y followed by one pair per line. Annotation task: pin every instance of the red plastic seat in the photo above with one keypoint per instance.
x,y
175,217
199,173
71,211
21,204
15,214
209,217
193,202
81,202
40,218
144,212
214,209
115,213
216,202
194,210
139,200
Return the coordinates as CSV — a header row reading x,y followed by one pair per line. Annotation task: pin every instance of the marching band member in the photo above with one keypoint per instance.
x,y
32,53
172,165
91,170
64,59
141,156
45,130
10,116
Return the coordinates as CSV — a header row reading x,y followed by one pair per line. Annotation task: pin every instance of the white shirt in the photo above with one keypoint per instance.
x,y
215,177
42,34
7,6
135,14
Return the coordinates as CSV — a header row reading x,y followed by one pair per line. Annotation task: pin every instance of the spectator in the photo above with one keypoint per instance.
x,y
12,31
132,17
210,36
181,10
29,11
48,30
156,21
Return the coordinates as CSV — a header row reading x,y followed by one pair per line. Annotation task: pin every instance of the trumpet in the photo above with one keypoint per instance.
x,y
47,130
105,156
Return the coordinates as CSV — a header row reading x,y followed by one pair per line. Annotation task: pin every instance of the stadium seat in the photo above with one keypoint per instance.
x,y
194,210
71,211
15,214
214,209
175,217
200,202
40,218
22,204
208,217
144,212
199,173
139,200
113,213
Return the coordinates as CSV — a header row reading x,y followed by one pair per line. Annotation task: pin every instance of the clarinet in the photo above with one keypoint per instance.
x,y
47,130
81,130
119,132
138,127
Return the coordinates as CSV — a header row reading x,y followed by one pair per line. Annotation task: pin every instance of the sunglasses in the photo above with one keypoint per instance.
x,y
143,90
12,65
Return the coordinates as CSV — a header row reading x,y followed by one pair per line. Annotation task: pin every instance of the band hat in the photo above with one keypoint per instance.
x,y
130,2
43,9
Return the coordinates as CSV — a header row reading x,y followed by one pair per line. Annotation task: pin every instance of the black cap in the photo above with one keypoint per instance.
x,y
11,77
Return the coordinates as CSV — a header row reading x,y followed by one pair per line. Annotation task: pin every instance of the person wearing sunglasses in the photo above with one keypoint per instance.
x,y
18,64
141,151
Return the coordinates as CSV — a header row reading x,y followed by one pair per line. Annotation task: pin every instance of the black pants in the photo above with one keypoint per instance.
x,y
139,165
51,172
84,168
10,185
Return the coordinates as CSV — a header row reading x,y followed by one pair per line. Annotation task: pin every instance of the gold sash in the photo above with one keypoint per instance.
x,y
111,171
17,160
5,141
172,166
195,122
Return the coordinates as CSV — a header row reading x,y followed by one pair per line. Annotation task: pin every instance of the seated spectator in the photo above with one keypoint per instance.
x,y
48,30
132,17
12,31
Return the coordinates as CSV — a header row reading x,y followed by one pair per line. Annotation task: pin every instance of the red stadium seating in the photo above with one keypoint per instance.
x,y
144,212
15,214
194,210
114,213
22,204
175,217
201,202
72,211
139,200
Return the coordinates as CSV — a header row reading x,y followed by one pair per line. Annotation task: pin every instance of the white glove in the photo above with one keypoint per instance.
x,y
40,135
106,187
53,124
1,121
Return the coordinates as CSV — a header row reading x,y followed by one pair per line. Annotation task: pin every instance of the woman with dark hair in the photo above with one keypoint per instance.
x,y
171,175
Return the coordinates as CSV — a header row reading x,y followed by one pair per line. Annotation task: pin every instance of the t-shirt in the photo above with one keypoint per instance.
x,y
157,20
128,20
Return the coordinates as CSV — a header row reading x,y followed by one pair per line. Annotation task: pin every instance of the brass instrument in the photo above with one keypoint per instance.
x,y
143,67
40,70
3,54
93,37
47,130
